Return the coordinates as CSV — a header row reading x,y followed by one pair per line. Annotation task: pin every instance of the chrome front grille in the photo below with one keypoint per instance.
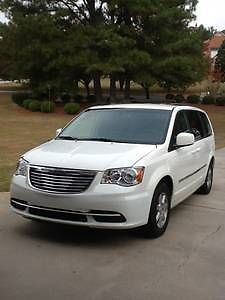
x,y
58,180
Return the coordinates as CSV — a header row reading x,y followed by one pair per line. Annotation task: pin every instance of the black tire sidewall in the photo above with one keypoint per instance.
x,y
152,228
208,189
204,189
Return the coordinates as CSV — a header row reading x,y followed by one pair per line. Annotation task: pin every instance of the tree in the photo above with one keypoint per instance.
x,y
206,33
32,44
66,16
169,47
176,49
60,42
220,61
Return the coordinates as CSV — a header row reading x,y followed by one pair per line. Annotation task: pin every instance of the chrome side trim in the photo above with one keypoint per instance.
x,y
189,175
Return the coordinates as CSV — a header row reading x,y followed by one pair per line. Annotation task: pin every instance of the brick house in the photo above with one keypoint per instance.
x,y
211,48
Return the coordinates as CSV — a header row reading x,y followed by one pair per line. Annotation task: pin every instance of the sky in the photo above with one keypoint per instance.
x,y
209,13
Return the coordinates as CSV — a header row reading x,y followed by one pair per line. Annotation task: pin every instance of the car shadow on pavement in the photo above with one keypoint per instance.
x,y
78,235
75,235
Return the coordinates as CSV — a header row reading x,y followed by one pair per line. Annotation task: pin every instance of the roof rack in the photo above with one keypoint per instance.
x,y
179,104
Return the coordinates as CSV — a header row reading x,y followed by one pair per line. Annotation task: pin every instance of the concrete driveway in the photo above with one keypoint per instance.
x,y
42,261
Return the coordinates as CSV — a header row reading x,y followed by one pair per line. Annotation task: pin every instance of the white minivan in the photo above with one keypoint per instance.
x,y
117,166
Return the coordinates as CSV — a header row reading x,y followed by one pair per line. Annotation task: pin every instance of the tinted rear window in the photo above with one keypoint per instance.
x,y
207,130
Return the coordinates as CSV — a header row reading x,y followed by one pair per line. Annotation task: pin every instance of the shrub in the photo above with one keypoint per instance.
x,y
194,99
35,105
220,101
170,97
71,108
65,97
26,103
47,107
91,98
179,98
78,98
18,98
41,95
208,100
41,92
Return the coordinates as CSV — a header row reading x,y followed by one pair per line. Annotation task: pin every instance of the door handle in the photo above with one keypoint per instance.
x,y
195,151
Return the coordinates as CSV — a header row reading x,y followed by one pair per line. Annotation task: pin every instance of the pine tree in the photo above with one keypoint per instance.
x,y
220,61
62,42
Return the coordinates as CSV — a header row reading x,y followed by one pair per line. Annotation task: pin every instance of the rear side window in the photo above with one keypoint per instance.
x,y
207,130
195,122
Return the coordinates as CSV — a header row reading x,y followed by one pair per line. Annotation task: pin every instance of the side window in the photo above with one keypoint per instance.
x,y
180,125
195,124
205,124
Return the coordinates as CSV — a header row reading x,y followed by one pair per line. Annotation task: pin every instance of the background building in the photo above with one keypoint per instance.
x,y
211,48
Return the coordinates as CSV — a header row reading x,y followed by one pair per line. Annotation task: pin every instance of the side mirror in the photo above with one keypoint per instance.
x,y
58,131
185,139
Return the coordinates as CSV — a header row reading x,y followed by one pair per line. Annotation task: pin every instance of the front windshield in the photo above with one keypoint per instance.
x,y
123,125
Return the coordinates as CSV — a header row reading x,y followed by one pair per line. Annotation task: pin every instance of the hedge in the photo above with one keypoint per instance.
x,y
71,108
194,99
26,103
179,98
47,107
18,98
35,105
220,101
208,100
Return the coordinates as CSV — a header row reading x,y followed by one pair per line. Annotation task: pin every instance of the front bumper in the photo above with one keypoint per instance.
x,y
101,206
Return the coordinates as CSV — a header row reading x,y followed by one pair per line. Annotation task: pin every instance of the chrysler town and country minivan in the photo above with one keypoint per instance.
x,y
117,166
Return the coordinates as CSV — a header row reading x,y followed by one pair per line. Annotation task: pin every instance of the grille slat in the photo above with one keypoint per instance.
x,y
59,179
61,176
69,183
61,186
56,180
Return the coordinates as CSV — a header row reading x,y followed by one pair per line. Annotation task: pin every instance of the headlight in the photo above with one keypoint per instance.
x,y
123,176
21,168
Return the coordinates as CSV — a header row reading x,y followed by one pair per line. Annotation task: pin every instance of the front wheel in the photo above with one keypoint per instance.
x,y
159,212
205,189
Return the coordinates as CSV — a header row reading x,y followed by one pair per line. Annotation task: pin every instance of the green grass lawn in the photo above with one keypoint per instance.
x,y
22,130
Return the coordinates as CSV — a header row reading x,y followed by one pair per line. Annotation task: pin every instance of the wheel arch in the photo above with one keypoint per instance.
x,y
169,182
212,161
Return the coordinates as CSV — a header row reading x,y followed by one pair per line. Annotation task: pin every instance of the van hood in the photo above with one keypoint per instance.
x,y
88,155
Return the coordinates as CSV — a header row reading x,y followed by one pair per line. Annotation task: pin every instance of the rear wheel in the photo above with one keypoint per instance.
x,y
207,186
159,212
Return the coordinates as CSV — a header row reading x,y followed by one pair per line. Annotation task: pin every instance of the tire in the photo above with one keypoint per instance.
x,y
158,216
205,189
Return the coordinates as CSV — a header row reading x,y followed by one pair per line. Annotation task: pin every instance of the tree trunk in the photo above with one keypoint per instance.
x,y
121,81
98,87
86,84
112,92
76,86
147,93
127,89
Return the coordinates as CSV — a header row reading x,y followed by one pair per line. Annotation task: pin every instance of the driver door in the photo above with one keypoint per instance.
x,y
182,161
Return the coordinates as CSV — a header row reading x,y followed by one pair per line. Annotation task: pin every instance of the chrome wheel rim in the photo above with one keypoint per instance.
x,y
209,178
162,210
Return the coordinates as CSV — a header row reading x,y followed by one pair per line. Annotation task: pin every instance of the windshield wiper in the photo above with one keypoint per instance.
x,y
99,139
66,137
71,138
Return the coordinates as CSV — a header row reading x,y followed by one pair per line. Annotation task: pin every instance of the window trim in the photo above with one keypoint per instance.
x,y
172,147
206,135
199,113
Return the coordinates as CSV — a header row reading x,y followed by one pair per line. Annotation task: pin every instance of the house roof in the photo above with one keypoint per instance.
x,y
216,41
